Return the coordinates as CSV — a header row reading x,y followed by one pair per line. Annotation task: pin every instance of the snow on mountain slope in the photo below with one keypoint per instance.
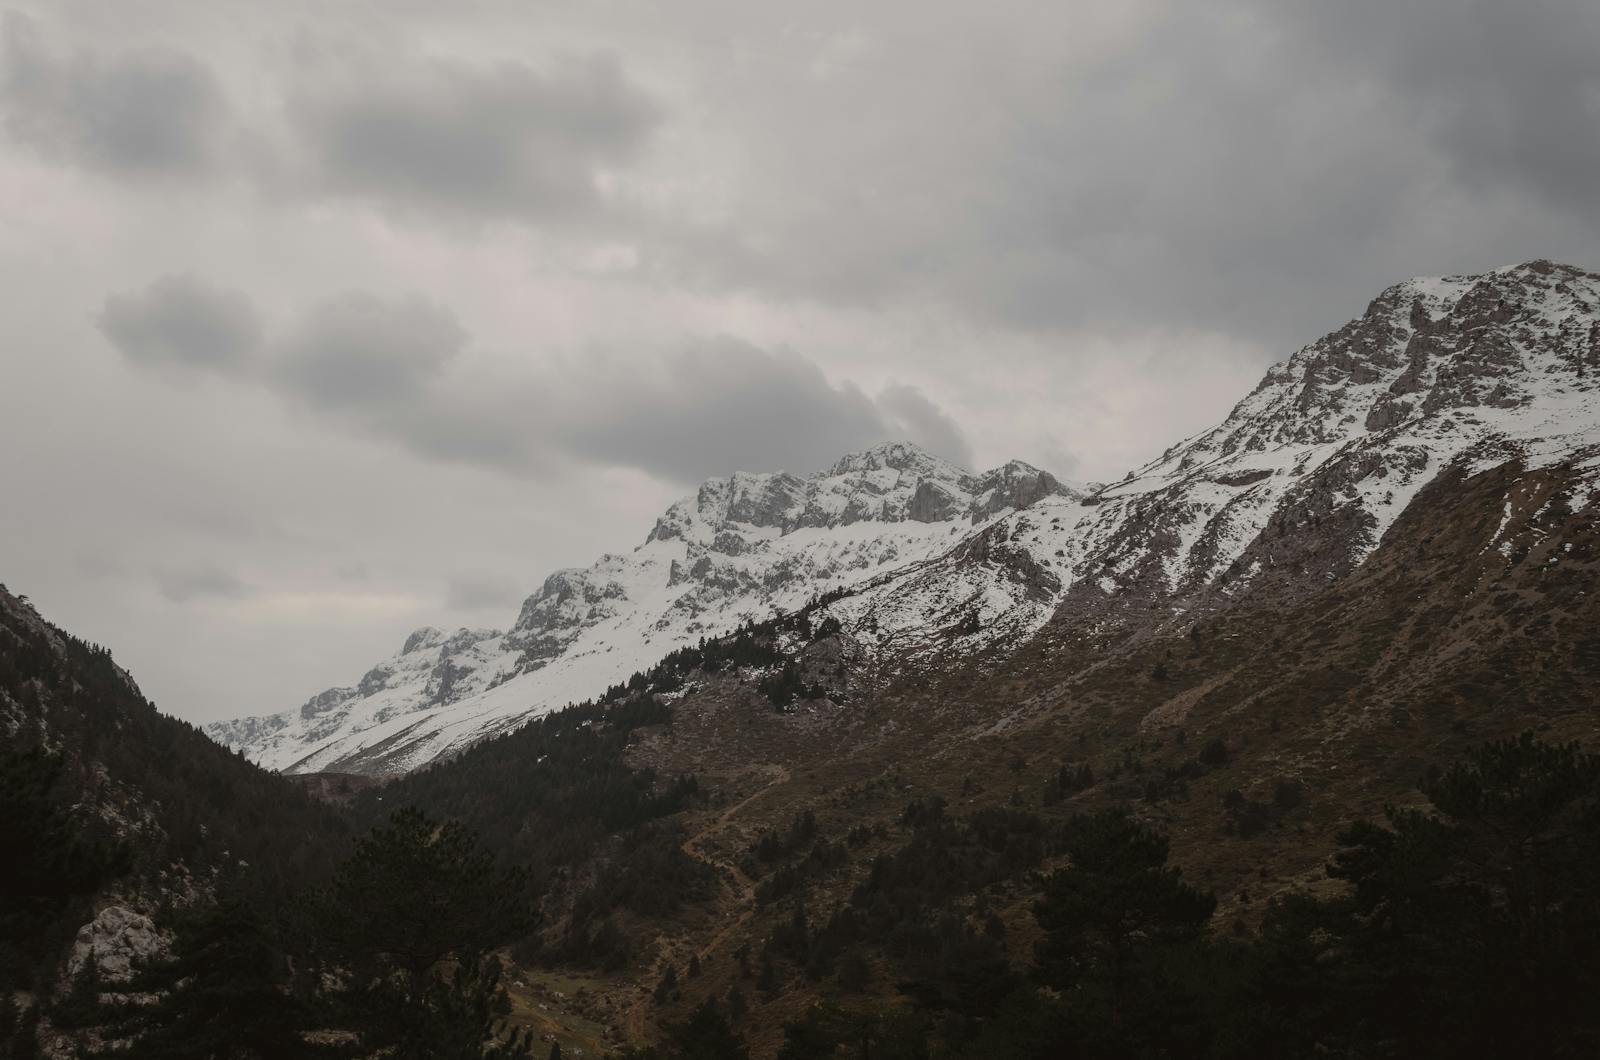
x,y
1294,488
1300,481
743,547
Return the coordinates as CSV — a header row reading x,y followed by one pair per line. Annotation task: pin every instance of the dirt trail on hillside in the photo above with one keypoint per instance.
x,y
743,893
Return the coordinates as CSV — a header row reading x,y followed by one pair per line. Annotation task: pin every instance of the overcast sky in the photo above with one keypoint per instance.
x,y
324,321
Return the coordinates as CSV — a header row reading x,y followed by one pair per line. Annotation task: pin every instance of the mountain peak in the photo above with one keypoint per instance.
x,y
897,456
425,637
1544,267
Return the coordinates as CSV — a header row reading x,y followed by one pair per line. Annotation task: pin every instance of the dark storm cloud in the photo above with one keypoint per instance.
x,y
1247,168
392,369
711,407
135,113
183,322
181,585
1509,92
913,416
726,405
471,140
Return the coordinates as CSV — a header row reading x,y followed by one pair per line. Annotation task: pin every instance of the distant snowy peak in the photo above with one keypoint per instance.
x,y
1461,350
742,547
902,457
887,484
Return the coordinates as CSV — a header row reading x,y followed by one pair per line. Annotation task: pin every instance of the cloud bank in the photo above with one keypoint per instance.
x,y
395,369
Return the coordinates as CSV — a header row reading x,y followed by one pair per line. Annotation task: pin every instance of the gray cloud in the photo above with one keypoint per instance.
x,y
711,407
140,112
355,571
1242,167
1510,93
183,322
481,593
358,349
425,135
471,140
1234,167
184,584
725,405
911,415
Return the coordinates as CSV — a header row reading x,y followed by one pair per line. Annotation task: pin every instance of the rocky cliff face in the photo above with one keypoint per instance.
x,y
742,547
1293,490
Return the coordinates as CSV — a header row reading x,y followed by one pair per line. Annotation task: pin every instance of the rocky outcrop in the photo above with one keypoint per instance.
x,y
118,940
1014,486
934,502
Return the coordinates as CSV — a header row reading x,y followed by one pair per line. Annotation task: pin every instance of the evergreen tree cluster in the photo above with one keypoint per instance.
x,y
1470,929
97,787
557,794
51,862
546,795
913,908
1067,781
825,858
650,876
774,845
395,960
753,644
786,684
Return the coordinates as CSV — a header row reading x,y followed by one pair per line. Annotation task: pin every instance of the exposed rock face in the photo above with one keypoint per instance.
x,y
1293,489
934,502
1015,486
118,939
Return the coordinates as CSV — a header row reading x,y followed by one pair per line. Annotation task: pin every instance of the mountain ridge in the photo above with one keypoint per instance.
x,y
1294,488
741,548
1301,474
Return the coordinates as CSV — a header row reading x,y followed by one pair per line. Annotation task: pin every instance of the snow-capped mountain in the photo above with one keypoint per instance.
x,y
743,547
1301,480
1293,489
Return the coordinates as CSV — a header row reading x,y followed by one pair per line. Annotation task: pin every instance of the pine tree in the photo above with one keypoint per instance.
x,y
416,891
742,955
705,1035
413,893
667,988
738,1005
1114,922
767,982
456,1018
47,860
80,1007
1482,918
223,993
